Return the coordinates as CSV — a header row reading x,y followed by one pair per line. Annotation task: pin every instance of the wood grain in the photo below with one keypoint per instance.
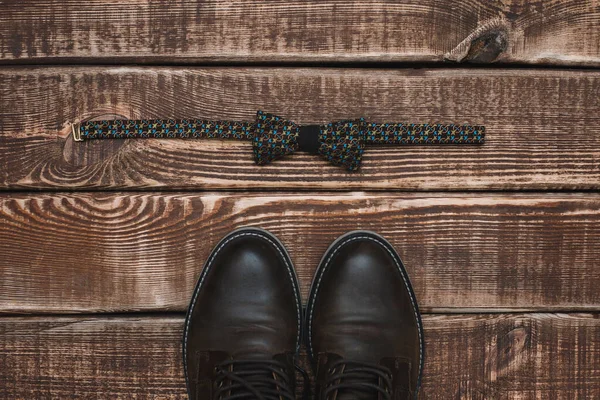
x,y
488,356
543,127
104,252
557,32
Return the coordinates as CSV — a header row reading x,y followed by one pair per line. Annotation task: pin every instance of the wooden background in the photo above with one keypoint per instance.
x,y
101,242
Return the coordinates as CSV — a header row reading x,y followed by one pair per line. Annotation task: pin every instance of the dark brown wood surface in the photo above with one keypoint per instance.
x,y
502,241
482,356
557,32
108,252
542,127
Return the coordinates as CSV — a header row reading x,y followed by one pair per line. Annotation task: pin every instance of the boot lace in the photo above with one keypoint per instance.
x,y
359,377
253,379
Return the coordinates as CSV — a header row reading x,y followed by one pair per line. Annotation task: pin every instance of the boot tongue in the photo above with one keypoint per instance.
x,y
353,393
254,369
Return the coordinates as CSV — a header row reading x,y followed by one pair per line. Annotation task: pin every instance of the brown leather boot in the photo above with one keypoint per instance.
x,y
242,330
365,336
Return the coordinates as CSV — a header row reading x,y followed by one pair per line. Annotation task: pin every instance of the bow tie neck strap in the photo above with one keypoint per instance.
x,y
341,142
401,133
163,128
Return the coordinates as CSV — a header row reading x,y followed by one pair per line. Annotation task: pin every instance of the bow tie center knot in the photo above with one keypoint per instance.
x,y
308,138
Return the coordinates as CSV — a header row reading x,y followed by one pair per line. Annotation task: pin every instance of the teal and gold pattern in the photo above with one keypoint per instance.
x,y
341,143
275,137
400,133
166,128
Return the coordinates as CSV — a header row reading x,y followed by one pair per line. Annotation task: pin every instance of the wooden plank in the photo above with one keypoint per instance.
x,y
104,252
557,32
489,356
543,127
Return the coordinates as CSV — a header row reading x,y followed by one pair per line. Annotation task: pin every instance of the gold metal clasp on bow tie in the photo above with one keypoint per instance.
x,y
76,132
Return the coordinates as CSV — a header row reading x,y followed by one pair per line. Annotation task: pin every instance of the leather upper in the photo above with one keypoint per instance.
x,y
362,308
246,306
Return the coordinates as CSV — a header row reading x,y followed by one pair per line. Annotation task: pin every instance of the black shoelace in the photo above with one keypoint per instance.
x,y
359,377
254,379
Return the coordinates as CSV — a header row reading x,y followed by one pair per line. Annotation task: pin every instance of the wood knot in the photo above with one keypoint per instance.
x,y
484,45
487,47
508,352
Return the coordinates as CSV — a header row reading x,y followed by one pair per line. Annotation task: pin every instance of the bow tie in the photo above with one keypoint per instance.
x,y
341,143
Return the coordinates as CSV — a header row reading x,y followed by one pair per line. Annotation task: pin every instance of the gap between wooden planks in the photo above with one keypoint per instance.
x,y
123,252
555,32
522,356
542,127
